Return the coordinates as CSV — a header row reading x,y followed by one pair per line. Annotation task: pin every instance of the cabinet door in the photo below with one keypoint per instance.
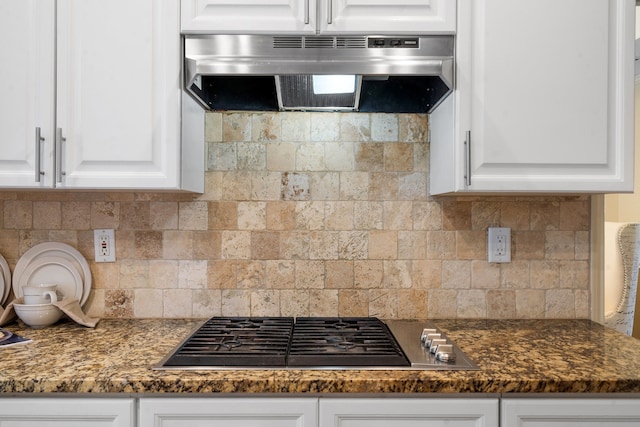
x,y
67,412
228,412
118,96
544,96
408,412
26,91
388,17
248,16
570,412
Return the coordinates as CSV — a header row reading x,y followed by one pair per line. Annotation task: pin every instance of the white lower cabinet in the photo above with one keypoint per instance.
x,y
67,412
228,412
319,412
532,412
323,412
408,412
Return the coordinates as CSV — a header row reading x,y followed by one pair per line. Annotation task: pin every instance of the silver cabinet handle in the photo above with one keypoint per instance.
x,y
306,11
39,140
59,140
467,158
329,11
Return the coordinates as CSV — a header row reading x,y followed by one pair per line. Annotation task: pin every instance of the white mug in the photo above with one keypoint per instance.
x,y
40,293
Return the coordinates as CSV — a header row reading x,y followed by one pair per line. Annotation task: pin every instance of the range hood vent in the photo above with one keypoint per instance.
x,y
411,74
319,42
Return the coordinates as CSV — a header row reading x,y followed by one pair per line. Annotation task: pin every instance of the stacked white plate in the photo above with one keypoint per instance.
x,y
5,280
58,263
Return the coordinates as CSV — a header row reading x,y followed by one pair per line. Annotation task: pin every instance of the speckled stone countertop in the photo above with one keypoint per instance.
x,y
530,356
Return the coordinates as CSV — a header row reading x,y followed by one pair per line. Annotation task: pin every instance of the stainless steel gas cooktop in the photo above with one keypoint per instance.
x,y
316,343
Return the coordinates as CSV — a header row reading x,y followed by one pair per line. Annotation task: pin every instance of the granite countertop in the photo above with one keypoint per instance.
x,y
523,356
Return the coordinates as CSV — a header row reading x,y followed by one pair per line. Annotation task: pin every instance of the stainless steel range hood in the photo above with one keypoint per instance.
x,y
374,73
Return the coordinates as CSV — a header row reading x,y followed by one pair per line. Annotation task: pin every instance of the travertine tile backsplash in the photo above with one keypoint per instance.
x,y
315,214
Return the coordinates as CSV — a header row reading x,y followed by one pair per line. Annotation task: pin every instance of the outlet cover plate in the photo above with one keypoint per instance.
x,y
105,245
499,244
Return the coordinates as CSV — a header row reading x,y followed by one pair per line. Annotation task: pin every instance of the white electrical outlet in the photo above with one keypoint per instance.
x,y
105,245
499,244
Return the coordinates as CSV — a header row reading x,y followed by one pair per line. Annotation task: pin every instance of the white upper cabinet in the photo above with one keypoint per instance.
x,y
245,17
26,83
104,90
319,16
387,17
543,99
117,103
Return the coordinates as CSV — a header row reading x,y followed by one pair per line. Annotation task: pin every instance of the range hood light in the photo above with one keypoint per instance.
x,y
333,84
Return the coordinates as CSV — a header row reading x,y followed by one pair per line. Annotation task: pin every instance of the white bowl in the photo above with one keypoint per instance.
x,y
38,315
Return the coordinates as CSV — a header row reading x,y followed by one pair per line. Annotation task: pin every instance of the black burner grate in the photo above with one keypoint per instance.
x,y
280,342
236,341
358,341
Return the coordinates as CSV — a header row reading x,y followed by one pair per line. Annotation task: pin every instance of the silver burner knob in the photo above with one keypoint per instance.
x,y
430,338
445,353
435,344
425,333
